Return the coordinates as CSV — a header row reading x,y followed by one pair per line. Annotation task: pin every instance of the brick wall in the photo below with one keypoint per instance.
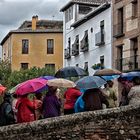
x,y
112,124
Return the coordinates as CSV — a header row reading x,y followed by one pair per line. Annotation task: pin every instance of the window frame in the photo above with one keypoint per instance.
x,y
51,48
23,66
25,50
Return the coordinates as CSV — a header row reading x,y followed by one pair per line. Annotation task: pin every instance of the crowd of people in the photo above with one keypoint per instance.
x,y
20,109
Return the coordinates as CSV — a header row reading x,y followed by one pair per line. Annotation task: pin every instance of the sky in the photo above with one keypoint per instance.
x,y
14,12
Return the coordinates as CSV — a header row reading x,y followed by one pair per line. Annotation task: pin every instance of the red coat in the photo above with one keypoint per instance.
x,y
71,96
25,110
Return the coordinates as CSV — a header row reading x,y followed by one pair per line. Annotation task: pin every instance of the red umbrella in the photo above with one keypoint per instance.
x,y
30,86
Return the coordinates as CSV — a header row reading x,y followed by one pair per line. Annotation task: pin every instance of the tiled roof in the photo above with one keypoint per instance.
x,y
43,26
86,2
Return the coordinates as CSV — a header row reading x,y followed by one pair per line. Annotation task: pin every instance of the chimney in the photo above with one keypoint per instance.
x,y
34,22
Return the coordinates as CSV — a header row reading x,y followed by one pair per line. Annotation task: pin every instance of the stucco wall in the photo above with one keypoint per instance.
x,y
94,53
112,124
37,50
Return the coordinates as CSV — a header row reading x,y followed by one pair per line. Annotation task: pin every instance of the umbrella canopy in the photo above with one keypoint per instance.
x,y
60,82
48,77
30,86
130,75
70,72
105,72
110,77
2,89
89,82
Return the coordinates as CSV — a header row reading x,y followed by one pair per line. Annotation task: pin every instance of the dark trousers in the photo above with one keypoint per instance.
x,y
68,111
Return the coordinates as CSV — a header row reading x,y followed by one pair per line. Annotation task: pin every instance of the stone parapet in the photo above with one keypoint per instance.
x,y
112,124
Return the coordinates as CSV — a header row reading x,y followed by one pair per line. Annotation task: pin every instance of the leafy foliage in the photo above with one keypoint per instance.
x,y
11,79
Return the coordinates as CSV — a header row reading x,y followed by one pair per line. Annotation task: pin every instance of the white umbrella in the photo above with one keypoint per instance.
x,y
60,82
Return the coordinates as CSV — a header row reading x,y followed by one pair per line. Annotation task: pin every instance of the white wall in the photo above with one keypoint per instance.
x,y
94,53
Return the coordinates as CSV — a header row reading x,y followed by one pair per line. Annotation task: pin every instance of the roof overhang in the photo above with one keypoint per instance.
x,y
70,3
92,14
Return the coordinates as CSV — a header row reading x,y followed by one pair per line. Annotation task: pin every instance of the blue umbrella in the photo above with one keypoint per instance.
x,y
48,77
89,82
110,77
130,75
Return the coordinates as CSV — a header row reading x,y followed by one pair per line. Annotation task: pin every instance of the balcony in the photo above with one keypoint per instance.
x,y
128,64
99,39
118,30
67,54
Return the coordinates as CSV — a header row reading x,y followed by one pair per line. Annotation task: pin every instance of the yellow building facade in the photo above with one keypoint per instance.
x,y
35,45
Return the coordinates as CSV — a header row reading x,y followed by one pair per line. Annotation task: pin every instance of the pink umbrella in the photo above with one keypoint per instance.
x,y
30,86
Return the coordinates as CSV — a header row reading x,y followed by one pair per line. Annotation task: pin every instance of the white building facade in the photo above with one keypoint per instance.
x,y
87,35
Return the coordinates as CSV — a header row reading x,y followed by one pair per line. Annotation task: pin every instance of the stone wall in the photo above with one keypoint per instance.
x,y
111,124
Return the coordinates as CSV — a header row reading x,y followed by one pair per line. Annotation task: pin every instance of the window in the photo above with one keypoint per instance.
x,y
84,9
50,46
134,46
84,42
102,30
77,43
134,8
75,46
50,66
86,67
119,60
25,46
120,20
24,66
69,45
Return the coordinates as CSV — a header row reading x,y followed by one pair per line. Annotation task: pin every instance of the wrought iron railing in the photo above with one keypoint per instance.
x,y
129,63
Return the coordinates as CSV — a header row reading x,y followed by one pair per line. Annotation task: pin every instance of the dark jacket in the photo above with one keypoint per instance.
x,y
6,114
94,99
51,105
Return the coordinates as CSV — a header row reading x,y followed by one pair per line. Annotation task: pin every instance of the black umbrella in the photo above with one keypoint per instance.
x,y
70,72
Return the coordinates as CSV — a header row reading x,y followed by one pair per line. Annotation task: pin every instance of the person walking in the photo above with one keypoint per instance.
x,y
127,85
38,102
6,112
25,109
14,102
51,103
94,99
70,96
134,94
110,94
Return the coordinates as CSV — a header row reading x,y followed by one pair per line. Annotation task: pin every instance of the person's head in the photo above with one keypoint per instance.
x,y
7,97
110,83
136,80
52,89
38,96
